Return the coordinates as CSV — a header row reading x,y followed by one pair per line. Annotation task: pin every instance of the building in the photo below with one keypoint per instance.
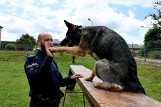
x,y
135,48
56,42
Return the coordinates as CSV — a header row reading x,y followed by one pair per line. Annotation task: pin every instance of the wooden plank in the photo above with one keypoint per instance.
x,y
105,98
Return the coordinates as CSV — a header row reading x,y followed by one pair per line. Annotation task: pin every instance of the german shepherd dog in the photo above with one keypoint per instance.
x,y
115,65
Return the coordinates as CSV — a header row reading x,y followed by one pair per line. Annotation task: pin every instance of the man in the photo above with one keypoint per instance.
x,y
43,75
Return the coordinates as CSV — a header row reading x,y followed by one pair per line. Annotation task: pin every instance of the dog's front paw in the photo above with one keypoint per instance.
x,y
88,79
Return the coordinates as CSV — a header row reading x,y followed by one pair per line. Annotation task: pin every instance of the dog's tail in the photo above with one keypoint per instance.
x,y
134,87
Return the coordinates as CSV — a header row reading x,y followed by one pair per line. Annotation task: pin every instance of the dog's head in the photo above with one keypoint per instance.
x,y
73,35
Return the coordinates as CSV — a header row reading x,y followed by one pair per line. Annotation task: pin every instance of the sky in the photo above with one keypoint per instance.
x,y
126,17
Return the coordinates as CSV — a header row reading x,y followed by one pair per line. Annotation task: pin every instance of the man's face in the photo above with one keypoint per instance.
x,y
45,38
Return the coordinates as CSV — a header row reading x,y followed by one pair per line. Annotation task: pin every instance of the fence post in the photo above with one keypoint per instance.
x,y
144,53
132,49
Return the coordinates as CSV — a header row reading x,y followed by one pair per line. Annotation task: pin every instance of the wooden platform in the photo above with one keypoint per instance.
x,y
104,98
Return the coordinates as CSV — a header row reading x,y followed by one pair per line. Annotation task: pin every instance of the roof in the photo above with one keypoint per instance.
x,y
136,46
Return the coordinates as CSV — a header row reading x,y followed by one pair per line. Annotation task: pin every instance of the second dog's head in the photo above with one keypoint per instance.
x,y
73,35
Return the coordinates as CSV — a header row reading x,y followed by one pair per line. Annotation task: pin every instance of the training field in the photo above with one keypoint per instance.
x,y
14,85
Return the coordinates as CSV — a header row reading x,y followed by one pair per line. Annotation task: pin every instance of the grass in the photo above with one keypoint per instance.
x,y
150,77
14,85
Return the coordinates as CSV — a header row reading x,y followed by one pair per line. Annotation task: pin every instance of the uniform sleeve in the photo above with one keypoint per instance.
x,y
65,81
34,68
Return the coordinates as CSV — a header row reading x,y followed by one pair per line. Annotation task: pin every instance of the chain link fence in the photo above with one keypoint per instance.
x,y
154,53
151,50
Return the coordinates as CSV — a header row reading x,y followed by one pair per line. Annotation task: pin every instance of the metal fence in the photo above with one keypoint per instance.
x,y
153,53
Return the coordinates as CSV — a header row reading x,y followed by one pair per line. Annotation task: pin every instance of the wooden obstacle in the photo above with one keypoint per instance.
x,y
104,98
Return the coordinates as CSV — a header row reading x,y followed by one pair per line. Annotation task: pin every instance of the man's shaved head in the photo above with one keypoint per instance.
x,y
42,35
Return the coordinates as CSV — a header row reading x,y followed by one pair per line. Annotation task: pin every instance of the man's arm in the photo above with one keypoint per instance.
x,y
69,79
35,68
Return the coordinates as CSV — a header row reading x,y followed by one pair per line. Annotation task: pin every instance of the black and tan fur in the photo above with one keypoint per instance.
x,y
115,65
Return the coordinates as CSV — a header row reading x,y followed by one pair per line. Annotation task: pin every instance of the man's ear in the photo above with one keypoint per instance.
x,y
39,42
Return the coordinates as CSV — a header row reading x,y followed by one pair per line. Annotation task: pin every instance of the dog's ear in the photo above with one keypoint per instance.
x,y
69,25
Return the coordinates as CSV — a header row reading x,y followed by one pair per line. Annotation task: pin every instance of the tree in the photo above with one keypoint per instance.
x,y
153,36
156,16
27,40
152,39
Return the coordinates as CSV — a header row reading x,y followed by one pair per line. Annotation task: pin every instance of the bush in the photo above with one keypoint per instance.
x,y
21,47
155,54
10,47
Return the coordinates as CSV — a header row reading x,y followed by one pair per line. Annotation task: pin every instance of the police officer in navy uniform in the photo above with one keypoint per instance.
x,y
44,77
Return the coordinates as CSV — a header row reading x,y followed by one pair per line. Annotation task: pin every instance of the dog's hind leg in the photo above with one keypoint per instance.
x,y
90,78
109,86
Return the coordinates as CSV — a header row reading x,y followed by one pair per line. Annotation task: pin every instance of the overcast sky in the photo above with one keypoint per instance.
x,y
35,16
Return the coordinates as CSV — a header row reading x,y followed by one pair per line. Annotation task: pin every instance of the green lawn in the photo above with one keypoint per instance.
x,y
14,85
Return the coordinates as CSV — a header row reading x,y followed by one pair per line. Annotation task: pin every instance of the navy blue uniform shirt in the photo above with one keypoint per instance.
x,y
43,75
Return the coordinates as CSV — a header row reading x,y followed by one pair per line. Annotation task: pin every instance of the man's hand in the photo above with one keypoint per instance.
x,y
74,76
47,46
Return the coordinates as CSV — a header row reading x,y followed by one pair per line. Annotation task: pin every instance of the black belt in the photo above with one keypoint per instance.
x,y
41,99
